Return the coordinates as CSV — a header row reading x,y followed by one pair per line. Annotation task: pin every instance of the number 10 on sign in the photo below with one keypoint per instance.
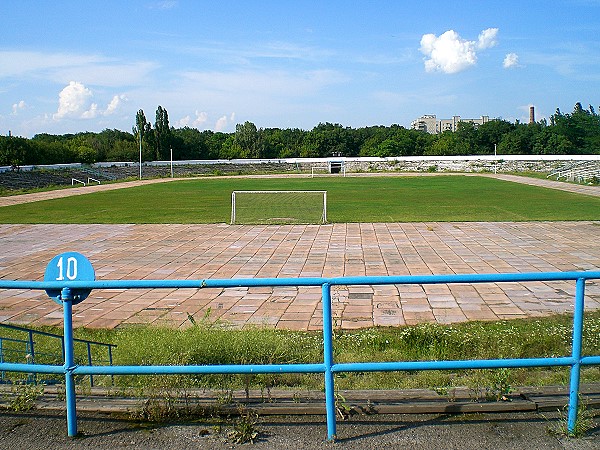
x,y
70,266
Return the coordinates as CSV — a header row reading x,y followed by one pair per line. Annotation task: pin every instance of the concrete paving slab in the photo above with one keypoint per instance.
x,y
224,251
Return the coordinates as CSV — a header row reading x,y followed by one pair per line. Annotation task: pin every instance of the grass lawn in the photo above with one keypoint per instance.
x,y
351,199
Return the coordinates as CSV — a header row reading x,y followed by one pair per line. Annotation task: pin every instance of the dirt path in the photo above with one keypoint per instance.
x,y
69,192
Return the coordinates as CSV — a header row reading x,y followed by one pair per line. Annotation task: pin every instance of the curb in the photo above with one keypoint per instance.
x,y
458,400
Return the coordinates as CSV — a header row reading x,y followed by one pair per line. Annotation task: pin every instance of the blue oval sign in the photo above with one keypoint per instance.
x,y
70,266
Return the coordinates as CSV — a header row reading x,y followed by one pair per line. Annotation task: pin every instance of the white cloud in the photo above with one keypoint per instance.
x,y
449,53
114,104
165,4
511,60
202,118
75,101
63,67
487,38
198,121
116,74
18,107
18,63
90,113
221,124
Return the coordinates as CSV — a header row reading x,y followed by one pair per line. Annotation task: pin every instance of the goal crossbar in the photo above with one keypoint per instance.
x,y
268,207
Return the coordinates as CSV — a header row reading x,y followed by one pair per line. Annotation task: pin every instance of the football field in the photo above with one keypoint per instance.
x,y
349,200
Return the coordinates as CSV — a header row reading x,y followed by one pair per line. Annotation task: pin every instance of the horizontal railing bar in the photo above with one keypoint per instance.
x,y
198,369
31,368
452,365
21,341
590,360
166,370
250,282
45,333
304,368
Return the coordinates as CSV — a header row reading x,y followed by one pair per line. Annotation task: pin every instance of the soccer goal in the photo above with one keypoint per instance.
x,y
278,207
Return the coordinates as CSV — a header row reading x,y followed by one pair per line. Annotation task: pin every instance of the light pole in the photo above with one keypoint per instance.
x,y
171,162
495,160
140,136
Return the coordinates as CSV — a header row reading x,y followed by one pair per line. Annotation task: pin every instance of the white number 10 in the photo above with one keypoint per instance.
x,y
71,268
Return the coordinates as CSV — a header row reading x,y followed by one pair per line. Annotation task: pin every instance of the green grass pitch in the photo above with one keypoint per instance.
x,y
351,199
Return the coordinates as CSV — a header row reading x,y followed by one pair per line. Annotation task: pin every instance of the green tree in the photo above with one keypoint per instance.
x,y
447,144
162,134
189,143
581,128
327,139
466,139
52,149
491,133
248,141
278,143
141,130
123,150
13,151
229,148
549,142
520,141
215,143
108,139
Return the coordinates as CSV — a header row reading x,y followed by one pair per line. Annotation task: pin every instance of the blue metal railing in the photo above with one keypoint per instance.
x,y
33,356
6,350
328,367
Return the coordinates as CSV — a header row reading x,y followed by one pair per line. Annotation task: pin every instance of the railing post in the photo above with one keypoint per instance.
x,y
67,299
2,373
89,355
576,354
328,360
31,359
110,362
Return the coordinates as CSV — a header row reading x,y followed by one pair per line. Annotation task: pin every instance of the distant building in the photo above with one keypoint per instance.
x,y
531,114
431,124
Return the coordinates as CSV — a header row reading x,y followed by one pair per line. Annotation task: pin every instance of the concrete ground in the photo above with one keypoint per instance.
x,y
234,251
46,430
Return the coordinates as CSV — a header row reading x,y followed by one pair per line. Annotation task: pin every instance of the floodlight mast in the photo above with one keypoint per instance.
x,y
140,136
495,159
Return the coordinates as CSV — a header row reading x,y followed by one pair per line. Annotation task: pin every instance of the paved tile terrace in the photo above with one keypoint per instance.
x,y
226,251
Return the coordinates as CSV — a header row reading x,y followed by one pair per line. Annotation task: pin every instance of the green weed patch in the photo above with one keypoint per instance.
x,y
207,343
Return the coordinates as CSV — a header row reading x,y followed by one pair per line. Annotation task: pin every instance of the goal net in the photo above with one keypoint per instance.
x,y
278,207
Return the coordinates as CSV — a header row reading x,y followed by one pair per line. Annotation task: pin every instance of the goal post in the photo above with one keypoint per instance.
x,y
278,207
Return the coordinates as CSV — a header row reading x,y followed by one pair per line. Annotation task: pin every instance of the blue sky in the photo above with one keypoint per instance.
x,y
71,66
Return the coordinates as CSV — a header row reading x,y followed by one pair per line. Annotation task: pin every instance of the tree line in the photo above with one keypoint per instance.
x,y
577,132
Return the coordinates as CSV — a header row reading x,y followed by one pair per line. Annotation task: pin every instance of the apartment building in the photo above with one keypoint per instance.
x,y
431,124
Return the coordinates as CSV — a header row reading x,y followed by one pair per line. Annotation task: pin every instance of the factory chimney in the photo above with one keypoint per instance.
x,y
531,114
